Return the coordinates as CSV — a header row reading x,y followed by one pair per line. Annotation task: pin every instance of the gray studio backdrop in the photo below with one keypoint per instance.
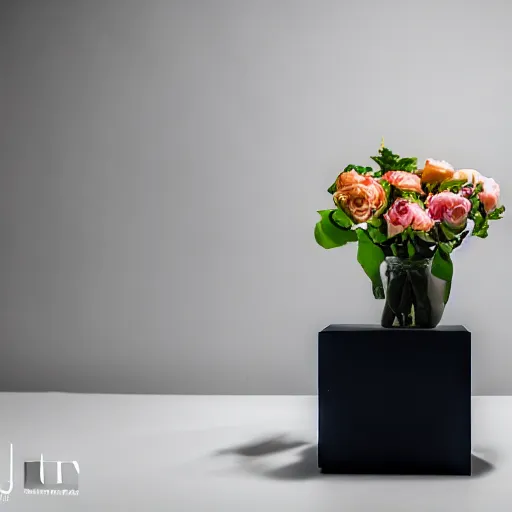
x,y
161,166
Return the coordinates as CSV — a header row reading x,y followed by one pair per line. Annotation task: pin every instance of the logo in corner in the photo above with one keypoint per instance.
x,y
52,477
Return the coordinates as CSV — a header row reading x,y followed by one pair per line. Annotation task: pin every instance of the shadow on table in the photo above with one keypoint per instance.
x,y
266,446
305,464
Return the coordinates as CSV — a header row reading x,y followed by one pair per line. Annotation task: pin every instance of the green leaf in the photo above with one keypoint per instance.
x,y
481,225
358,168
446,247
332,188
449,233
341,218
456,243
431,187
387,187
376,222
452,185
442,267
425,236
387,160
497,213
414,197
411,251
370,257
377,234
329,234
478,188
407,164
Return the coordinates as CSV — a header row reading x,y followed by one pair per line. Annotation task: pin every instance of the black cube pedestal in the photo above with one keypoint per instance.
x,y
394,401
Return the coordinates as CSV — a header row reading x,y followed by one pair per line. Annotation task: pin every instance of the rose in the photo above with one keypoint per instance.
x,y
360,196
470,175
466,191
404,213
403,180
450,208
435,171
490,194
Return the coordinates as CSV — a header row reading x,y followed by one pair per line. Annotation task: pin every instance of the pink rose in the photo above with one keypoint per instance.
x,y
490,194
466,191
403,180
449,207
403,214
422,220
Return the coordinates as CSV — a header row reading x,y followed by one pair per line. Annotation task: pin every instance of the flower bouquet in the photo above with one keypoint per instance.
x,y
407,222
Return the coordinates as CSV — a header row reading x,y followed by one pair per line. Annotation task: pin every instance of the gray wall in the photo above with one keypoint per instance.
x,y
162,163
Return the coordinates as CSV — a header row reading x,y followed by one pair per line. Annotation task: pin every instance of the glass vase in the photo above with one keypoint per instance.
x,y
413,296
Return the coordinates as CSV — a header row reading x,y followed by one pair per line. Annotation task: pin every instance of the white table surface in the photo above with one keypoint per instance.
x,y
179,453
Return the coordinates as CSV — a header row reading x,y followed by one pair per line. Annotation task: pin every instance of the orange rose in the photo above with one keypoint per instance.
x,y
436,171
359,196
403,180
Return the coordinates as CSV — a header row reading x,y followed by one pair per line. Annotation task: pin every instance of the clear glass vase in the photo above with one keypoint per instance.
x,y
413,296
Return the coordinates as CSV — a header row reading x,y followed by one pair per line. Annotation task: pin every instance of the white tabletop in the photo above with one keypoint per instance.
x,y
226,453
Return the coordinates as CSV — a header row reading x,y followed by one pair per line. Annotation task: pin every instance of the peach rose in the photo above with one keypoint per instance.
x,y
360,196
470,175
404,213
449,207
490,194
436,171
403,180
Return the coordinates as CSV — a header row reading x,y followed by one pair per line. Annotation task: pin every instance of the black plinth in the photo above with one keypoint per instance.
x,y
394,401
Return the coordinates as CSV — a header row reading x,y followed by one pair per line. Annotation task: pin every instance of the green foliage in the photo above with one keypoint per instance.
x,y
359,169
451,185
442,267
458,241
497,213
370,256
389,161
332,188
481,226
477,214
431,187
387,188
414,197
375,221
378,234
341,218
425,236
407,164
446,247
329,233
411,251
450,233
